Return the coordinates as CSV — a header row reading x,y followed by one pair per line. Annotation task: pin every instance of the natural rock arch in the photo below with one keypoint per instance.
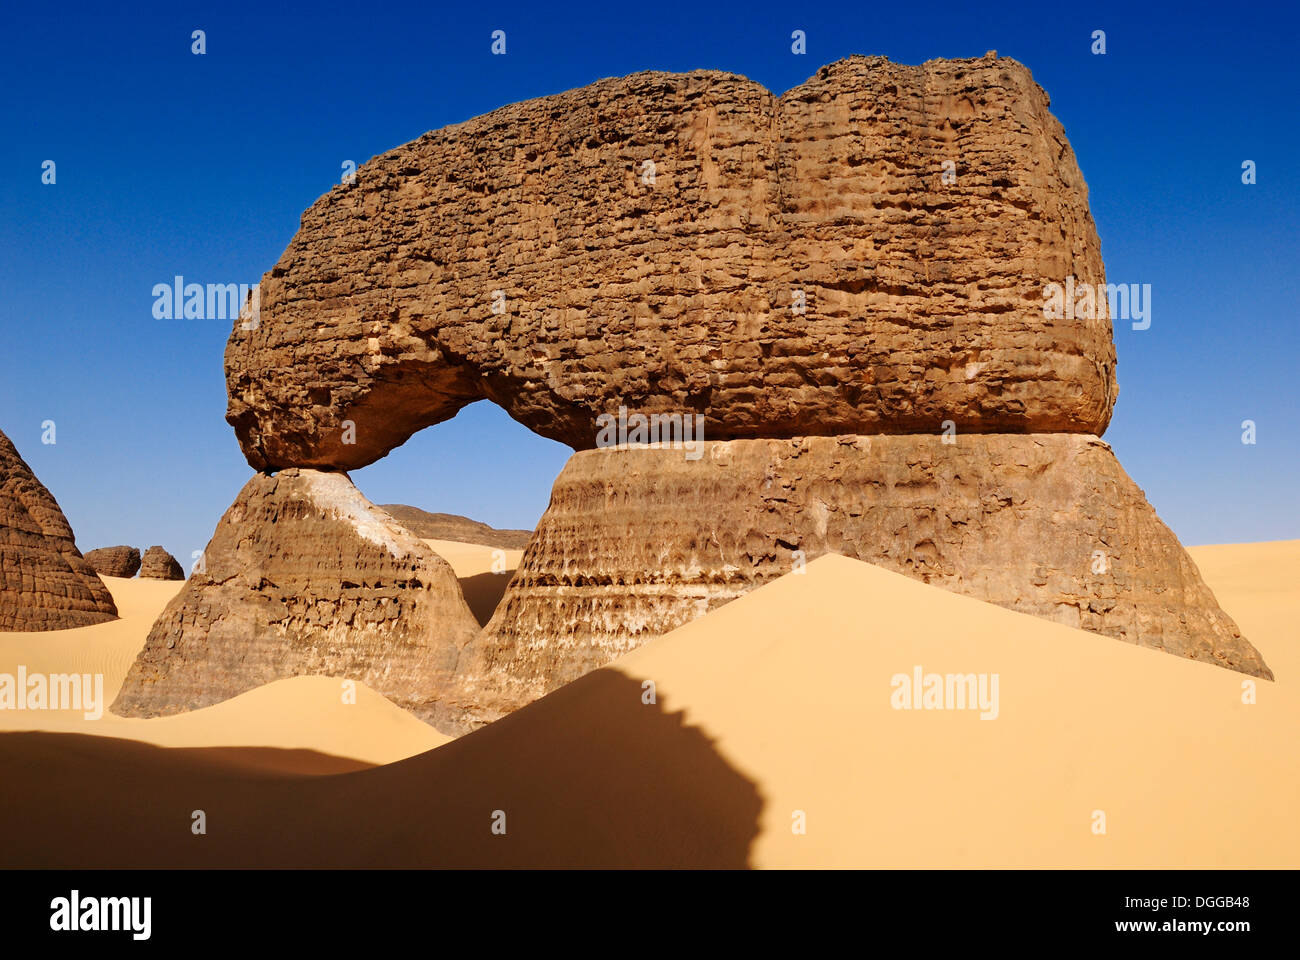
x,y
527,258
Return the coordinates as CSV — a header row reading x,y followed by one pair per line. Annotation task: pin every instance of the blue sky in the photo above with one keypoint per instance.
x,y
170,163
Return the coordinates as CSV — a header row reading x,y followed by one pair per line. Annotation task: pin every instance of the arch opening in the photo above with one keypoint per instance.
x,y
473,487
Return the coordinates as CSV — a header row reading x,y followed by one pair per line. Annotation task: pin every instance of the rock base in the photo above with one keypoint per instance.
x,y
638,541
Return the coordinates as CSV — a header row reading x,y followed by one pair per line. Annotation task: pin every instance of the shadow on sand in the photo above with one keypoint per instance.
x,y
483,592
588,776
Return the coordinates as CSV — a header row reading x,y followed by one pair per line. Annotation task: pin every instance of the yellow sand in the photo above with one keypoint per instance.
x,y
793,685
472,559
1258,584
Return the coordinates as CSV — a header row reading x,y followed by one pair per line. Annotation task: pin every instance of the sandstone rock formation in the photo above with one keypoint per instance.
x,y
645,241
637,542
158,564
115,561
833,279
304,576
450,526
45,584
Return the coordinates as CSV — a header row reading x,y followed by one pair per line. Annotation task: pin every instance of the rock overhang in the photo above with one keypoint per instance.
x,y
692,243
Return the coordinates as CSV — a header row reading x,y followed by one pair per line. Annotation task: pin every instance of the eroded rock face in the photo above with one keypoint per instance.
x,y
45,583
690,243
158,564
115,561
304,576
637,542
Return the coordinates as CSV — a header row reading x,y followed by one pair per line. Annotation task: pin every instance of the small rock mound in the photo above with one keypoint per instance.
x,y
158,564
305,577
115,561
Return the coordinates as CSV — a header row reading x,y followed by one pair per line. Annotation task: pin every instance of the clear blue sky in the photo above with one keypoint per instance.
x,y
170,163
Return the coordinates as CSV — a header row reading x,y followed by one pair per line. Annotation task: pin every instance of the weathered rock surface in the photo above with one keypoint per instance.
x,y
677,292
45,583
451,526
115,561
304,576
637,542
158,564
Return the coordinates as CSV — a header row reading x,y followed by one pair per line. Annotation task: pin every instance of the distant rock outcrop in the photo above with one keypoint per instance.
x,y
158,564
115,561
45,583
451,526
304,576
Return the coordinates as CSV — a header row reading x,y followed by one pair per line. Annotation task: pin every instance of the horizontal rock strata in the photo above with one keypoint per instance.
x,y
45,583
304,576
691,243
639,541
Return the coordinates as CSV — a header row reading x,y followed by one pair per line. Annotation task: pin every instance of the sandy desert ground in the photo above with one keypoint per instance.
x,y
772,712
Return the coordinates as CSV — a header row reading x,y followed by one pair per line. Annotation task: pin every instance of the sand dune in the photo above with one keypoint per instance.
x,y
795,689
1259,585
779,702
297,714
483,572
107,648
